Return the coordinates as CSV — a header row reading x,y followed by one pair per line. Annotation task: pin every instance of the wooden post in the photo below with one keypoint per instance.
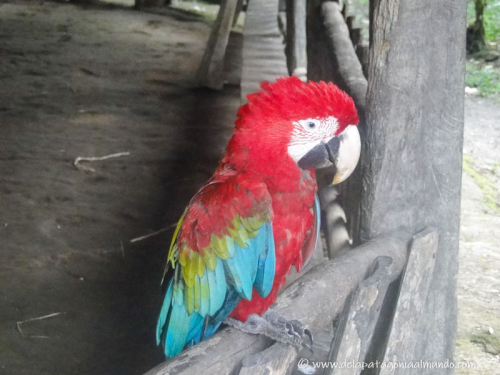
x,y
211,72
411,164
239,8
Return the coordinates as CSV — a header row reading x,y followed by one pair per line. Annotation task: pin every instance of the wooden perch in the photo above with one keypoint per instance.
x,y
315,299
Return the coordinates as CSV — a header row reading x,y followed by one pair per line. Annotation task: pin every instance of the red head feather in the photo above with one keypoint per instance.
x,y
290,99
264,125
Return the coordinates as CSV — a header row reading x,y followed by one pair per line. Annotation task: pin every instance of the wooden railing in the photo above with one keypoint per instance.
x,y
352,286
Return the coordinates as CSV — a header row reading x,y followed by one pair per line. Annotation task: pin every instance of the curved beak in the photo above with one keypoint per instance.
x,y
342,151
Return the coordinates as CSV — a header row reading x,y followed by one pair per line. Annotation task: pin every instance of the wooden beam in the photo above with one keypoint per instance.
x,y
211,71
412,157
315,299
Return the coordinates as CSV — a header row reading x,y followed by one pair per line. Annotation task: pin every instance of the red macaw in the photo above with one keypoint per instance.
x,y
258,215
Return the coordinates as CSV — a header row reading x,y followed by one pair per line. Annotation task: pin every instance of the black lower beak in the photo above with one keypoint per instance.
x,y
322,155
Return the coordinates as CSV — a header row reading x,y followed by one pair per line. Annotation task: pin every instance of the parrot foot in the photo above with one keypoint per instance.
x,y
274,326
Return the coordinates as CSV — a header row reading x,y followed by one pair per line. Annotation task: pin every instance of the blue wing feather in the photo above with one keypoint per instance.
x,y
230,281
267,260
162,320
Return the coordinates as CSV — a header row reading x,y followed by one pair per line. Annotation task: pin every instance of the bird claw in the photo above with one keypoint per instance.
x,y
309,334
297,330
272,325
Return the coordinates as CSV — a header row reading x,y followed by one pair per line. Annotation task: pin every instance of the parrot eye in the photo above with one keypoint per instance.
x,y
310,125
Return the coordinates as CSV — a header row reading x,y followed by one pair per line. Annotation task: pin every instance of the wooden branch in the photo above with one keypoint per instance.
x,y
211,71
340,43
315,299
358,320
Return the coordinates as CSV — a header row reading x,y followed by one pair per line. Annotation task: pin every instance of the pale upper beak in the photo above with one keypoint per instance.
x,y
342,151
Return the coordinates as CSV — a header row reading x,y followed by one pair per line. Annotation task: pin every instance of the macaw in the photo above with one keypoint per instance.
x,y
257,215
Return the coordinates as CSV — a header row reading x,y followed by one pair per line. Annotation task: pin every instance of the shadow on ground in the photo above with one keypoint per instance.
x,y
92,82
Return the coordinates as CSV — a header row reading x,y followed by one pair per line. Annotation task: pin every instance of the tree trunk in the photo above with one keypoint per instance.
x,y
412,158
476,39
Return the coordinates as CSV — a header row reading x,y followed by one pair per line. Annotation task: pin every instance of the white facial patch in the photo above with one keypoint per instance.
x,y
309,133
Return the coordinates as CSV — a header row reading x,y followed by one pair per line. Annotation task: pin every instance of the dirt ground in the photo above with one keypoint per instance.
x,y
98,81
479,272
91,82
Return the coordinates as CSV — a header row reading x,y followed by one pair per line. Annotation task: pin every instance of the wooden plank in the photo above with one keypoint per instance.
x,y
263,52
357,322
315,299
411,301
211,71
412,155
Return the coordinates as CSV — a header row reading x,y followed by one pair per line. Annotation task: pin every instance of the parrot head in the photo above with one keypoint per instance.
x,y
313,125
